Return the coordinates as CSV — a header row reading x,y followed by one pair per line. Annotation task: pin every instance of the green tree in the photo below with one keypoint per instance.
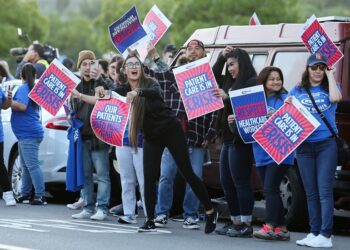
x,y
187,16
20,14
325,8
71,36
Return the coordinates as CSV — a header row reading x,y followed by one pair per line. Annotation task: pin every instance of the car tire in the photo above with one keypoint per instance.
x,y
15,172
294,200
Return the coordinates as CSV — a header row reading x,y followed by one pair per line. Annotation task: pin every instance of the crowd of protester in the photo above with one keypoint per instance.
x,y
160,140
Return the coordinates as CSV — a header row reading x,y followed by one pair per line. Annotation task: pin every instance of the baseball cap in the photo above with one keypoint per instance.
x,y
195,42
316,59
169,48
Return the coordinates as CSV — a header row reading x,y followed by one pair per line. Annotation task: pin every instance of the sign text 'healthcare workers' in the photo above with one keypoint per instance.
x,y
249,107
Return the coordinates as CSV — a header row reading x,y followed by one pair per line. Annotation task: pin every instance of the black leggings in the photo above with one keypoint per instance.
x,y
174,139
4,178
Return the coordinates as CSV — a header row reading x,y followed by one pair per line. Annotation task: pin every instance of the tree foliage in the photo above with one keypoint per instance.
x,y
20,14
74,25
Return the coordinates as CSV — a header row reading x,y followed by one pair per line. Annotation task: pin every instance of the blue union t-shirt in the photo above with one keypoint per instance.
x,y
261,157
2,99
321,97
126,142
26,124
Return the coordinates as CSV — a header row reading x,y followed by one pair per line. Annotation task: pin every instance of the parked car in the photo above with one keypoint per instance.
x,y
280,45
53,152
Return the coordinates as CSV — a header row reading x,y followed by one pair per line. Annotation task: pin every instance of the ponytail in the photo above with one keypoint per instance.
x,y
28,74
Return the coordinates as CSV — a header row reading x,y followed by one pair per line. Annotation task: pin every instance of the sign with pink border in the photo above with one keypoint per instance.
x,y
196,83
286,130
109,119
317,41
54,87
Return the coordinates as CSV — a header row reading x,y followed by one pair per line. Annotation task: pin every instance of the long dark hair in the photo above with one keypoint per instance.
x,y
3,71
264,75
246,70
137,107
305,80
28,74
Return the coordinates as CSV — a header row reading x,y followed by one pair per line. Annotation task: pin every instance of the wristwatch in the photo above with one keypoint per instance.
x,y
156,58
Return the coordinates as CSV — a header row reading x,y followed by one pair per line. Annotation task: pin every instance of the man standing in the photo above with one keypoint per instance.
x,y
94,151
199,133
34,55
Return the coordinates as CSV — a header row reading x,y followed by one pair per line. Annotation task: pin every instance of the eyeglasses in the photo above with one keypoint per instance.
x,y
318,66
131,65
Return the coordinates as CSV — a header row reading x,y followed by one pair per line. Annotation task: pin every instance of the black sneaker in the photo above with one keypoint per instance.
x,y
210,221
178,218
246,231
38,201
23,199
161,220
190,223
224,229
234,231
243,231
148,226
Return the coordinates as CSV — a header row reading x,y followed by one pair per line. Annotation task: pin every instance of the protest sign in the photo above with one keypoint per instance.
x,y
109,119
156,24
249,107
127,32
196,83
254,20
317,41
286,130
54,87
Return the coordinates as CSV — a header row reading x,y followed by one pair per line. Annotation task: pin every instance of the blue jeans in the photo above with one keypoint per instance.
x,y
317,162
31,171
99,160
167,175
271,177
236,162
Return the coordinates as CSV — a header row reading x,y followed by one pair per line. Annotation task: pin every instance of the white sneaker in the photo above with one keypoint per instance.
x,y
127,219
320,241
99,215
308,237
76,205
8,198
82,215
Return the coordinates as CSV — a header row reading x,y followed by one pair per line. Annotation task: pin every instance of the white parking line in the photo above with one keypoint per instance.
x,y
74,225
8,247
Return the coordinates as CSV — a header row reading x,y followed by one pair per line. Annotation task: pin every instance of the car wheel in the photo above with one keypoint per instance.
x,y
294,200
15,173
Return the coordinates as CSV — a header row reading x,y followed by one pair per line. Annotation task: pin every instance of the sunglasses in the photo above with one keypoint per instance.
x,y
131,65
318,66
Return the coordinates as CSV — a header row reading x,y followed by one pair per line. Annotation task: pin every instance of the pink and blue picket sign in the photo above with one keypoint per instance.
x,y
196,83
156,24
250,109
317,41
285,130
109,119
54,86
127,31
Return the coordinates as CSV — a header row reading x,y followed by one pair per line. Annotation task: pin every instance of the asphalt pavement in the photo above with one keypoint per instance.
x,y
26,227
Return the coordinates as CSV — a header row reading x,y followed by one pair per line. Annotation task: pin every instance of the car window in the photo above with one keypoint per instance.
x,y
292,65
258,61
